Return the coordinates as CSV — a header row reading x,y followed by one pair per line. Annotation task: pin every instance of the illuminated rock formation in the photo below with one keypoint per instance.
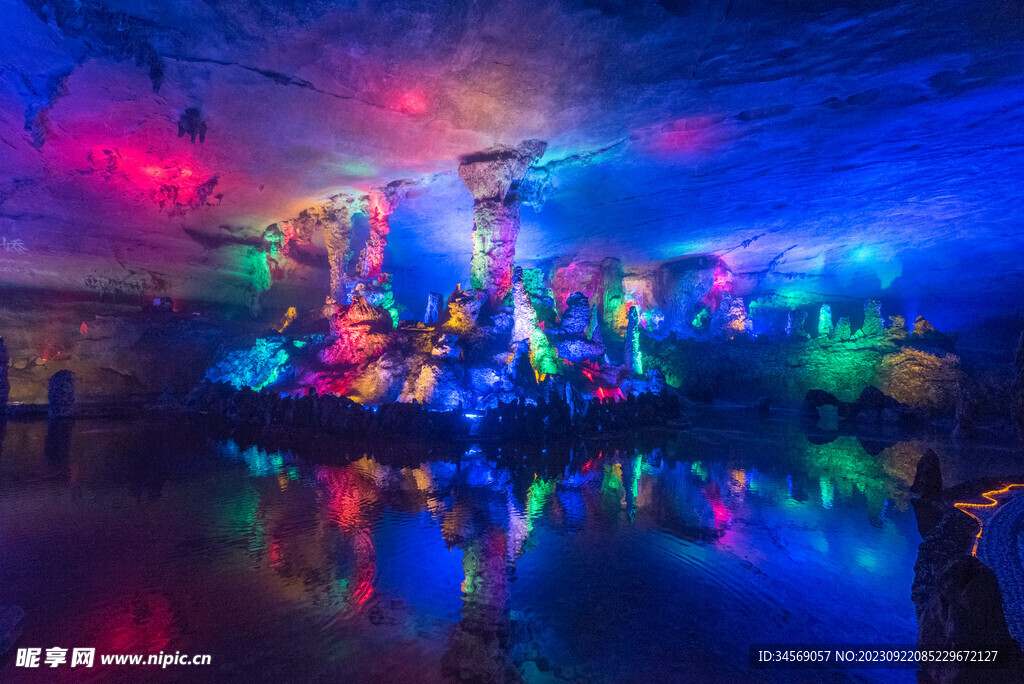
x,y
632,356
61,394
872,317
361,332
602,283
461,312
570,335
825,321
492,176
334,218
380,204
731,320
843,331
543,357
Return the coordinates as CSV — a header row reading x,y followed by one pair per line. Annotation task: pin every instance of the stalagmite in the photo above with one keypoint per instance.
x,y
380,205
872,317
493,177
843,330
825,321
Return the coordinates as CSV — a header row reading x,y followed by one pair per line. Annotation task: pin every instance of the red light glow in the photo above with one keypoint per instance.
x,y
412,102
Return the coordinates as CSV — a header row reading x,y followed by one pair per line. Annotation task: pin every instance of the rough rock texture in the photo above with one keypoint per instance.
x,y
600,281
872,317
61,395
825,321
335,220
1017,390
926,379
119,349
570,335
966,609
362,331
5,385
492,177
730,320
787,367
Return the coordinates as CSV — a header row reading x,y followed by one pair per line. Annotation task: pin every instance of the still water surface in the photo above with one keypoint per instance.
x,y
660,561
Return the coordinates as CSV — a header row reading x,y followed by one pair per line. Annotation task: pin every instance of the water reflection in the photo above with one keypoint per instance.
x,y
658,560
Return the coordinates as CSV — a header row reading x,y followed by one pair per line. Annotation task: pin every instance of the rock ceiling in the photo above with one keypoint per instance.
x,y
867,148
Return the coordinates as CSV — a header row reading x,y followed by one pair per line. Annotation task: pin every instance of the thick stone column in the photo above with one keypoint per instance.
x,y
380,204
334,217
493,177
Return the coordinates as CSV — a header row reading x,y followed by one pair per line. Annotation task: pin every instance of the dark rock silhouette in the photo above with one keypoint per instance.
x,y
965,610
817,398
61,394
928,479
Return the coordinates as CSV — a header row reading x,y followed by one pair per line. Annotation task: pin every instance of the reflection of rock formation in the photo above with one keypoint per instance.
x,y
493,177
478,650
350,496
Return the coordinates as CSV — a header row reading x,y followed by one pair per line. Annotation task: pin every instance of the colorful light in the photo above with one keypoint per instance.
x,y
991,496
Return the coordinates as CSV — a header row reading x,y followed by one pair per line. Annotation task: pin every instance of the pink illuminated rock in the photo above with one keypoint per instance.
x,y
380,205
493,176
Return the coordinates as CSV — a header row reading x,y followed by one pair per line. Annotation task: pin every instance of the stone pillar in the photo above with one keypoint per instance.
x,y
380,204
5,385
61,394
872,317
825,321
493,177
334,217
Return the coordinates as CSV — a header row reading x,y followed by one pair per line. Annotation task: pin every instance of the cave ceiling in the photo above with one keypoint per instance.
x,y
829,149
